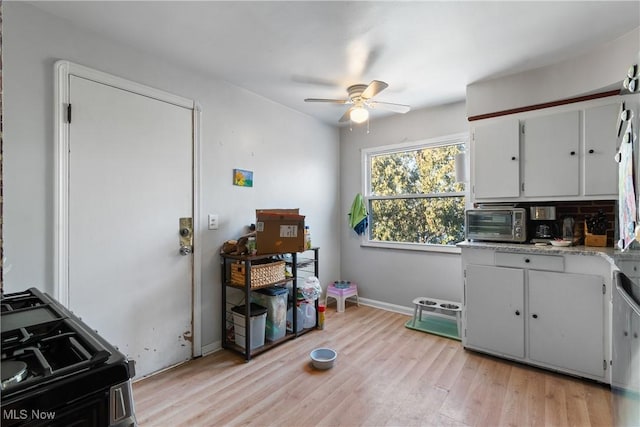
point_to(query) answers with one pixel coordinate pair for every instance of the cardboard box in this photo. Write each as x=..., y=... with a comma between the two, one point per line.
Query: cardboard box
x=279, y=231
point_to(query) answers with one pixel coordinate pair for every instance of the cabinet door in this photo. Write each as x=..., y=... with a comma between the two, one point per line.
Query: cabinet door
x=551, y=155
x=496, y=160
x=600, y=170
x=494, y=310
x=566, y=321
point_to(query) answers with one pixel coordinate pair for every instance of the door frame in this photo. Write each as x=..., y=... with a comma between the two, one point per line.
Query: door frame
x=62, y=70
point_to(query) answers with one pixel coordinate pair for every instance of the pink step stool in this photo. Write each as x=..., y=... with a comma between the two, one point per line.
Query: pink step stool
x=341, y=294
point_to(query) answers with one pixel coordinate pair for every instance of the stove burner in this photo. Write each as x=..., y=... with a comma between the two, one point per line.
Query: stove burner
x=12, y=372
x=52, y=361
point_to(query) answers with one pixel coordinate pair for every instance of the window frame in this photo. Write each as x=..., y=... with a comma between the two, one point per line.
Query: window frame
x=368, y=153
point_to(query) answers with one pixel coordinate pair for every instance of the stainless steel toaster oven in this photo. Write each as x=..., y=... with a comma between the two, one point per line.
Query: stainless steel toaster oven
x=498, y=224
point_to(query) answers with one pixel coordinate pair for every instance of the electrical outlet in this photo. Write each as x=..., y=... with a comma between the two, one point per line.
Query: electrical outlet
x=213, y=221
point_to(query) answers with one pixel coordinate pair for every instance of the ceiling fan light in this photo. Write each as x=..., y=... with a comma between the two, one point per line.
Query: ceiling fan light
x=359, y=115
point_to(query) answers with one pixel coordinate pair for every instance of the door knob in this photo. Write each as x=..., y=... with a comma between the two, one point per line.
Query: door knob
x=185, y=230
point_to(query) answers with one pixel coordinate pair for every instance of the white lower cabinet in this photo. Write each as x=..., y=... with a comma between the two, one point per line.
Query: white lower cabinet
x=495, y=309
x=566, y=321
x=550, y=319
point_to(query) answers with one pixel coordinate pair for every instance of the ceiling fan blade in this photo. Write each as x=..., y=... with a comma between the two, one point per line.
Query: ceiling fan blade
x=333, y=101
x=346, y=116
x=397, y=108
x=374, y=88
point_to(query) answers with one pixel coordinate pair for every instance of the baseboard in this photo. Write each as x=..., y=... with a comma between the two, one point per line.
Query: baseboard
x=386, y=306
x=211, y=348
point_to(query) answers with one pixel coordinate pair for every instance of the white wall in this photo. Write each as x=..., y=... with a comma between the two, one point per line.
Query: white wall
x=387, y=275
x=294, y=158
x=602, y=69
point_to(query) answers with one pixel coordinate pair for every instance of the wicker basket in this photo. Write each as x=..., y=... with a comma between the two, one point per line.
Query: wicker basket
x=261, y=274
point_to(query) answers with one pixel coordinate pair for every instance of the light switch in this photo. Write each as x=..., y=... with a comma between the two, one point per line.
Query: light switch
x=213, y=221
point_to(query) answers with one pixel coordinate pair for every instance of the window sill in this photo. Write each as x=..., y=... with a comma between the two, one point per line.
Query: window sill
x=412, y=247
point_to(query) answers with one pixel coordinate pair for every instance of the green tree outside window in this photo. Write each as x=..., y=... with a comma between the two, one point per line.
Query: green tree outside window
x=413, y=196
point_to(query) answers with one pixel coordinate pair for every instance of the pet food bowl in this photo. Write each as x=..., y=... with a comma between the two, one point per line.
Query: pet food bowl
x=323, y=358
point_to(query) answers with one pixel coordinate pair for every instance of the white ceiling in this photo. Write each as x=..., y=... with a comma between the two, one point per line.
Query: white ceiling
x=287, y=51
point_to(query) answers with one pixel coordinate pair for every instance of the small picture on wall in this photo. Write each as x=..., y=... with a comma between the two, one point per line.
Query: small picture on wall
x=242, y=178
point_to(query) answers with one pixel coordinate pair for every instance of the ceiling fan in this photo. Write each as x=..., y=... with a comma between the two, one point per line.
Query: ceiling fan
x=360, y=99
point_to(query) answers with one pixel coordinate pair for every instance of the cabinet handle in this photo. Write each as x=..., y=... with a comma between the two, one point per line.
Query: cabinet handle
x=527, y=260
x=591, y=151
x=517, y=312
x=535, y=316
x=513, y=157
x=573, y=153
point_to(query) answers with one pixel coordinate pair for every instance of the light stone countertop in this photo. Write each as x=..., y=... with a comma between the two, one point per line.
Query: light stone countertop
x=610, y=254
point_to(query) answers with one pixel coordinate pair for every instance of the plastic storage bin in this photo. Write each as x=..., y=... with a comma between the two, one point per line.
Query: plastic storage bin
x=275, y=300
x=258, y=318
x=299, y=319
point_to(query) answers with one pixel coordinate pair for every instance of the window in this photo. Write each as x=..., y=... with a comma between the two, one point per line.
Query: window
x=412, y=195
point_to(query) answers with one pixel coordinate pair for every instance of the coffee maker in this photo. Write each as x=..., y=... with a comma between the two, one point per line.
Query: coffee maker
x=543, y=223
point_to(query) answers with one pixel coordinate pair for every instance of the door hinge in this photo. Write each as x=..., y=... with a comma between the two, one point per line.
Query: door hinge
x=604, y=289
x=68, y=113
x=465, y=273
x=522, y=129
x=522, y=186
x=604, y=365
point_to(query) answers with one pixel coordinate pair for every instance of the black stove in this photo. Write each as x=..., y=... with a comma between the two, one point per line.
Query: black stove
x=57, y=371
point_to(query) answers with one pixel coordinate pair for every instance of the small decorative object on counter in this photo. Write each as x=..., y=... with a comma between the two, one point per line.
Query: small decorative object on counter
x=567, y=228
x=321, y=314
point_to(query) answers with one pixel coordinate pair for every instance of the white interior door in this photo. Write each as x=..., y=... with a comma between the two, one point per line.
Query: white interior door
x=130, y=181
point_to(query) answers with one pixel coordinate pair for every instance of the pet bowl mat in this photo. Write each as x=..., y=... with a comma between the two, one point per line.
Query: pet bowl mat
x=435, y=325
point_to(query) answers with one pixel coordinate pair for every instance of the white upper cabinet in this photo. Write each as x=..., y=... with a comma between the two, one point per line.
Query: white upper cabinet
x=600, y=170
x=496, y=148
x=560, y=153
x=551, y=155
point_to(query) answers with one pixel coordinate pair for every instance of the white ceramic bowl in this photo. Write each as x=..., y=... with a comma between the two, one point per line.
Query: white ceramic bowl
x=561, y=242
x=323, y=358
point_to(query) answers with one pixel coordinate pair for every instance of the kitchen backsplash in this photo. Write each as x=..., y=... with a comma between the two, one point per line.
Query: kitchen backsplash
x=579, y=210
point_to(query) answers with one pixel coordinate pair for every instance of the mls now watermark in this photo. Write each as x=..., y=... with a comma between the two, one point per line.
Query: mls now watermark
x=24, y=414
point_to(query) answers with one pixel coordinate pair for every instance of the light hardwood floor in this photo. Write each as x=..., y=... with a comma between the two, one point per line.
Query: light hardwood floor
x=385, y=375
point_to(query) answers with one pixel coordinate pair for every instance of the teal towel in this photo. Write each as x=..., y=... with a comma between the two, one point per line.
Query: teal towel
x=358, y=215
